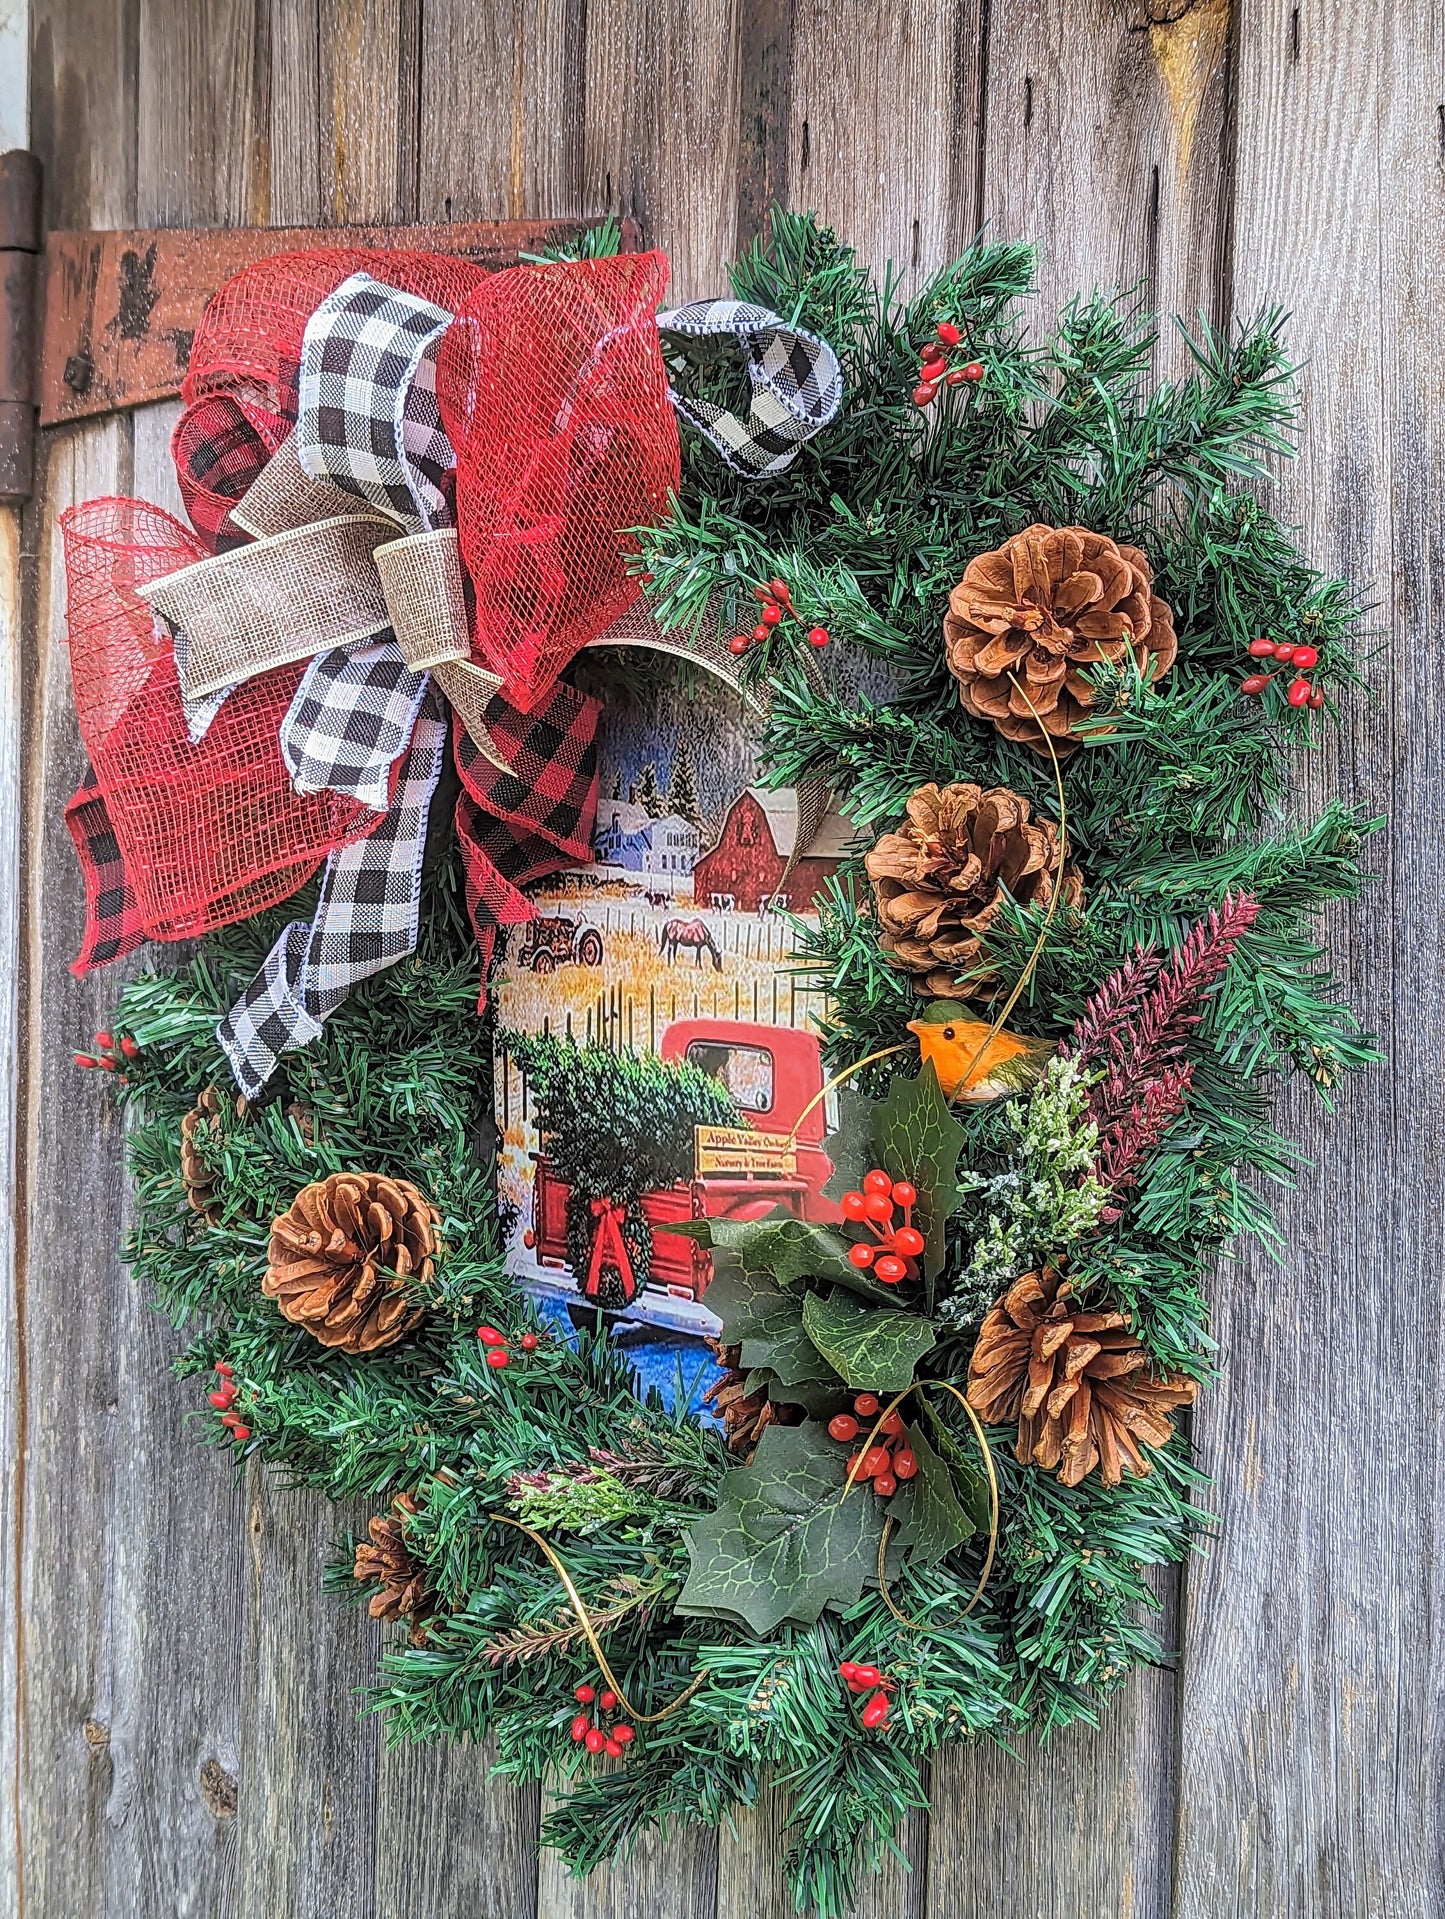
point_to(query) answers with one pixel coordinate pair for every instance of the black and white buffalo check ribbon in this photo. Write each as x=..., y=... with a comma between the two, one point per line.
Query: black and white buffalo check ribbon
x=369, y=419
x=366, y=919
x=796, y=380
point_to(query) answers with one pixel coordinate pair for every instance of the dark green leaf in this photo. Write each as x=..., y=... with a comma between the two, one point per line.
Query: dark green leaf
x=930, y=1519
x=969, y=1479
x=918, y=1139
x=873, y=1348
x=786, y=1248
x=851, y=1147
x=785, y=1540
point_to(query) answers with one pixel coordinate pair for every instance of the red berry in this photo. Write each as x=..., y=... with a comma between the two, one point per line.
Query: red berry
x=861, y=1255
x=891, y=1423
x=1256, y=683
x=1317, y=698
x=129, y=1047
x=230, y=1419
x=104, y=1041
x=933, y=369
x=499, y=1357
x=877, y=1182
x=760, y=633
x=974, y=370
x=878, y=1206
x=530, y=1342
x=612, y=1749
x=1299, y=692
x=855, y=1206
x=584, y=1695
x=905, y=1464
x=885, y=1485
x=848, y=1668
x=904, y=1194
x=84, y=1059
x=739, y=644
x=1306, y=656
x=106, y=1064
x=866, y=1404
x=855, y=1466
x=222, y=1397
x=866, y=1676
x=923, y=393
x=954, y=376
x=594, y=1739
x=240, y=1433
x=843, y=1426
x=772, y=615
x=579, y=1726
x=949, y=333
x=764, y=592
x=779, y=591
x=908, y=1241
x=224, y=1369
x=818, y=636
x=624, y=1735
x=875, y=1713
x=608, y=1700
x=875, y=1461
x=890, y=1270
x=1262, y=648
x=1284, y=652
x=490, y=1336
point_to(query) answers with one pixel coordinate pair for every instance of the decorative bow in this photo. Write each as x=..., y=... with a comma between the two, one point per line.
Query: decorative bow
x=434, y=531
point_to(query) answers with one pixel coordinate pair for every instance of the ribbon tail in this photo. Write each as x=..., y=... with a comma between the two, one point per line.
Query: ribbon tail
x=366, y=919
x=113, y=924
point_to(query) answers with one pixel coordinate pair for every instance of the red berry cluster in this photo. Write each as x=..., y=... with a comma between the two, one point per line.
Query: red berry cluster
x=777, y=605
x=106, y=1055
x=498, y=1353
x=868, y=1679
x=597, y=1738
x=884, y=1464
x=897, y=1246
x=936, y=369
x=222, y=1399
x=1301, y=691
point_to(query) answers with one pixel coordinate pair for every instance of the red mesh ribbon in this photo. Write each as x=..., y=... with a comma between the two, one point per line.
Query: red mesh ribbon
x=207, y=834
x=554, y=395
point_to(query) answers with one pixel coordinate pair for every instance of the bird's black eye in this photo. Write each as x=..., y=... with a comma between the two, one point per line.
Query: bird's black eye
x=948, y=1032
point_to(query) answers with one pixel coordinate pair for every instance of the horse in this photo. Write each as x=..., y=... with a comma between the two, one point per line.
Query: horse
x=692, y=934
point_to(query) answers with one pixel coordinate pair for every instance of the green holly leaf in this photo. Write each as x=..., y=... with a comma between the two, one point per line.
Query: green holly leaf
x=931, y=1519
x=969, y=1479
x=851, y=1147
x=767, y=1323
x=786, y=1248
x=785, y=1541
x=918, y=1139
x=819, y=1398
x=874, y=1349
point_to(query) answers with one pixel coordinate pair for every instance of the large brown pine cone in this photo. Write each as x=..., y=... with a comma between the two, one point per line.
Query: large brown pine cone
x=348, y=1258
x=941, y=881
x=1077, y=1382
x=745, y=1415
x=1045, y=604
x=385, y=1556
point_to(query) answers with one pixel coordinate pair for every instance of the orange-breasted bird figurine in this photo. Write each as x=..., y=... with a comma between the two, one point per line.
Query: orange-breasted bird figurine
x=967, y=1067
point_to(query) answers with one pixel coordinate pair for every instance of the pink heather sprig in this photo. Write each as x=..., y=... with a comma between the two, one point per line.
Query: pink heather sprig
x=1119, y=999
x=1134, y=1135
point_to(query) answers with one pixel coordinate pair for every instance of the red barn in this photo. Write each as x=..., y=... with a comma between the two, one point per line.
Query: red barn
x=745, y=868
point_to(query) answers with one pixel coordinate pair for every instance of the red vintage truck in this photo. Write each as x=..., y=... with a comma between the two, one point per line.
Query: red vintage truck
x=739, y=1172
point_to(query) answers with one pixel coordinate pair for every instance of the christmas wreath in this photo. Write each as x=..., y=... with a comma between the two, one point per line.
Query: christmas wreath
x=1024, y=607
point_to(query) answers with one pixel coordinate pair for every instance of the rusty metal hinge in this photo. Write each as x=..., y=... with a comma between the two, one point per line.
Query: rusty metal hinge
x=94, y=323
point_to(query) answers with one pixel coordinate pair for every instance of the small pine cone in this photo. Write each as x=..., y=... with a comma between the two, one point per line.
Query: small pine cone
x=1040, y=608
x=348, y=1257
x=200, y=1129
x=745, y=1415
x=942, y=879
x=385, y=1556
x=1076, y=1382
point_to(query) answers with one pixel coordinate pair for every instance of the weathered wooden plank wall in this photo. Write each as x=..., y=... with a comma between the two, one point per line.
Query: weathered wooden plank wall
x=184, y=1738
